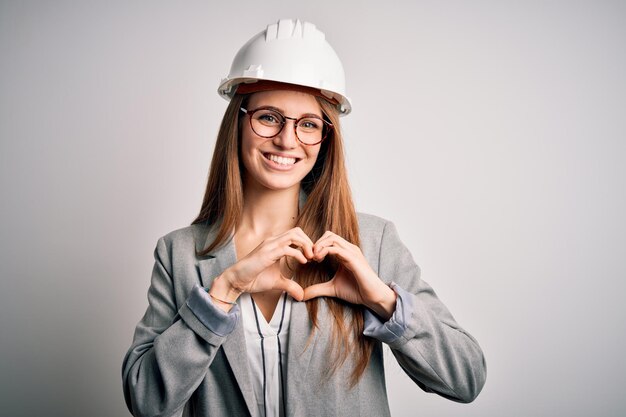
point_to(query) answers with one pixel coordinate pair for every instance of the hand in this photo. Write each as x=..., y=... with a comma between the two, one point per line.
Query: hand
x=260, y=270
x=355, y=281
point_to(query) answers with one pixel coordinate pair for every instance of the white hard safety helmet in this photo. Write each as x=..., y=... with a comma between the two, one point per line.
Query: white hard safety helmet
x=291, y=52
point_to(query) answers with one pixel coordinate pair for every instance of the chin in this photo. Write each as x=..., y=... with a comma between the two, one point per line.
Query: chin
x=276, y=184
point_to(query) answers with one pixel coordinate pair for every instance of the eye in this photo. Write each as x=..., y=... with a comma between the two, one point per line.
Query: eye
x=268, y=117
x=310, y=124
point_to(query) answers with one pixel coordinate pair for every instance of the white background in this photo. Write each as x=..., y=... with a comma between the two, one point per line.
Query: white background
x=491, y=132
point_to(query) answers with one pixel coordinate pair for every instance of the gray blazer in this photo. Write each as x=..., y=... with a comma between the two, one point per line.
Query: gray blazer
x=178, y=366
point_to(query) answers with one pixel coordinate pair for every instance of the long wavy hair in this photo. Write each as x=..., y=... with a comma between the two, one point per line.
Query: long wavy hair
x=328, y=206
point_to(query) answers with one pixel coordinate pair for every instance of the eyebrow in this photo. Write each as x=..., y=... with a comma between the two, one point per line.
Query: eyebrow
x=281, y=111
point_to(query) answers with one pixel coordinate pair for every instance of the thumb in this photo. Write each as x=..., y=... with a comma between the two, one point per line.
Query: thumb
x=290, y=287
x=325, y=289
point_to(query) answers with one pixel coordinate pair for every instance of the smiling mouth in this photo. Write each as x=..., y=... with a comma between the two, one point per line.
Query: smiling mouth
x=281, y=160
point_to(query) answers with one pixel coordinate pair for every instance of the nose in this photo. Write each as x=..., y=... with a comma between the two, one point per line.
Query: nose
x=287, y=138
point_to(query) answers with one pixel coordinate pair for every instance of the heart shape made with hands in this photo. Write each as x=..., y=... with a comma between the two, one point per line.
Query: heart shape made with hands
x=354, y=281
x=268, y=267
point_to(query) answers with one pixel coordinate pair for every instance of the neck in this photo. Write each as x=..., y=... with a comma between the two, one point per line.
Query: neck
x=269, y=212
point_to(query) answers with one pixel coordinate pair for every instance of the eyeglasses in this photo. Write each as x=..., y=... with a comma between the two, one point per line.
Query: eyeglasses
x=268, y=123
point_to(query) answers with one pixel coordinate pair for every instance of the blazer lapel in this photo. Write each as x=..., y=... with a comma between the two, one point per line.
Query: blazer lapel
x=235, y=344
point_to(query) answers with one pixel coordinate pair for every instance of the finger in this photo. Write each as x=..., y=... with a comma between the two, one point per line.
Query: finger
x=301, y=233
x=327, y=234
x=325, y=289
x=295, y=253
x=353, y=264
x=298, y=238
x=342, y=254
x=325, y=241
x=279, y=251
x=290, y=287
x=331, y=239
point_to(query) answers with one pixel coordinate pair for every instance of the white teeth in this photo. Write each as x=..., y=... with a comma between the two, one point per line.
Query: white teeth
x=281, y=159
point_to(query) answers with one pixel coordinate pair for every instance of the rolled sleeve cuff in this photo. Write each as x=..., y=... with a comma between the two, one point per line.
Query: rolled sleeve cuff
x=394, y=328
x=214, y=318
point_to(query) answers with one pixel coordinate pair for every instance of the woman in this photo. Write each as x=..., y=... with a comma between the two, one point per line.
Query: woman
x=278, y=298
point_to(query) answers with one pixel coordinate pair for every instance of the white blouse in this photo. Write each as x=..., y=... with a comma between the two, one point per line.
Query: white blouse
x=266, y=344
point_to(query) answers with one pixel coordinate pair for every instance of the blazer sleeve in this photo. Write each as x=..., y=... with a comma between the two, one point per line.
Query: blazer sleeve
x=172, y=347
x=427, y=342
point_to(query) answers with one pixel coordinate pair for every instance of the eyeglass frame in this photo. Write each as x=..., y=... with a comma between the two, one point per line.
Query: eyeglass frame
x=329, y=126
